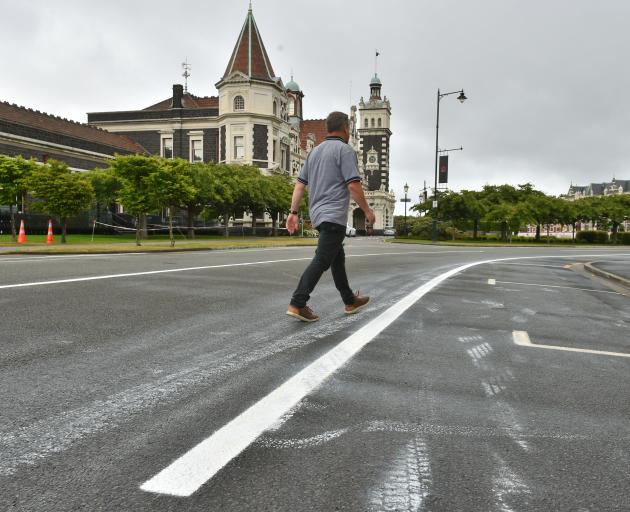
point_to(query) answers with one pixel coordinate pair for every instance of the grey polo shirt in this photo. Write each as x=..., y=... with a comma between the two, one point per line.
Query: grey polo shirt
x=327, y=171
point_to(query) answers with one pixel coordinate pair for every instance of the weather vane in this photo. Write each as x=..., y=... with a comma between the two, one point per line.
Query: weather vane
x=186, y=73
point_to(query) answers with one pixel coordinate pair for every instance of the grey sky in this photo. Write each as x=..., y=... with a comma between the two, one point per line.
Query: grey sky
x=547, y=80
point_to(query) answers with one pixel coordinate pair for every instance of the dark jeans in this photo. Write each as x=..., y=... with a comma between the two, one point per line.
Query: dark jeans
x=329, y=254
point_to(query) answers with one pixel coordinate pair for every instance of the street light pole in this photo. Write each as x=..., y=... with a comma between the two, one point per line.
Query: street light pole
x=406, y=188
x=461, y=98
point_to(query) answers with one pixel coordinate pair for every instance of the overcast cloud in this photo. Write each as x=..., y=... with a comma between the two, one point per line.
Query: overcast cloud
x=547, y=80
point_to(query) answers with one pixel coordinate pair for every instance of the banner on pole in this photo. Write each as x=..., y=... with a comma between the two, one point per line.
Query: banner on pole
x=443, y=169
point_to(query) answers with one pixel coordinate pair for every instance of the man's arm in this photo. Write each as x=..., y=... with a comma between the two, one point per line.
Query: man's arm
x=292, y=219
x=356, y=191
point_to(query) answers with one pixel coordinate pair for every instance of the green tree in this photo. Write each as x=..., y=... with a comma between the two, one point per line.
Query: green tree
x=170, y=185
x=615, y=209
x=278, y=191
x=106, y=186
x=60, y=192
x=135, y=192
x=13, y=175
x=202, y=181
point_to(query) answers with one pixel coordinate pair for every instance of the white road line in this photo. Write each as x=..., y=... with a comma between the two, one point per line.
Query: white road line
x=492, y=281
x=58, y=257
x=204, y=267
x=558, y=286
x=522, y=338
x=193, y=469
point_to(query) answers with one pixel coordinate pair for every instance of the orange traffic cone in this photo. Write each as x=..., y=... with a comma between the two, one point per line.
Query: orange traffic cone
x=22, y=235
x=49, y=238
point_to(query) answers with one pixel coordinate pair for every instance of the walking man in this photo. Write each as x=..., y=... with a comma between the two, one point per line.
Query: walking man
x=332, y=176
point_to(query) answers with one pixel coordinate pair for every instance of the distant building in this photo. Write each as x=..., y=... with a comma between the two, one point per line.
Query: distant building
x=42, y=136
x=598, y=189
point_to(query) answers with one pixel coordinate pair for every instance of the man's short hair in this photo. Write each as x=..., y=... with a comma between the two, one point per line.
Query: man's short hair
x=336, y=121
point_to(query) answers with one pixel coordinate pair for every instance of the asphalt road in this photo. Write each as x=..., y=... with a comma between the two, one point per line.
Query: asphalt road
x=117, y=369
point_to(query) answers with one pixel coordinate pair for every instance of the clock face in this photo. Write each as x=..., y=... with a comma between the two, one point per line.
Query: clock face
x=372, y=159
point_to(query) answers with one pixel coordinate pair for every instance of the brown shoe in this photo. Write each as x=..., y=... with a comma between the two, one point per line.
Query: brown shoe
x=305, y=314
x=359, y=304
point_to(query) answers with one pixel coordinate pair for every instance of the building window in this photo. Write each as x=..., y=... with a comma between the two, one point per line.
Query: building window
x=291, y=107
x=275, y=108
x=366, y=122
x=379, y=122
x=167, y=147
x=372, y=123
x=239, y=147
x=239, y=103
x=196, y=150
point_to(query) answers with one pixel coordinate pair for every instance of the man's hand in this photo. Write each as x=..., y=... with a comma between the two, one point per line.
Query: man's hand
x=292, y=223
x=370, y=217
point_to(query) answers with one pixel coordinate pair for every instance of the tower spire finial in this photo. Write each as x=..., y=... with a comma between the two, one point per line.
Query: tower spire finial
x=186, y=66
x=376, y=54
x=250, y=5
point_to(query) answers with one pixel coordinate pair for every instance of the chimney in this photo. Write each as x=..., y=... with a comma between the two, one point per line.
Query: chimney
x=178, y=93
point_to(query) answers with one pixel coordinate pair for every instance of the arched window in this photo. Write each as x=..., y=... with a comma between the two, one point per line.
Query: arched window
x=379, y=122
x=239, y=103
x=275, y=108
x=291, y=107
x=366, y=122
x=372, y=122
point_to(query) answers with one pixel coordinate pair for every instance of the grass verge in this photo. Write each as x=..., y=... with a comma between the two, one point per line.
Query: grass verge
x=82, y=244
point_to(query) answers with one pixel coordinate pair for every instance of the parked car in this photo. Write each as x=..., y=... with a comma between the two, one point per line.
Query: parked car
x=389, y=232
x=350, y=231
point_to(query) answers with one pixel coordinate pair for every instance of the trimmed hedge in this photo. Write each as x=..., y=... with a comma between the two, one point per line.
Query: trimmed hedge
x=623, y=238
x=592, y=237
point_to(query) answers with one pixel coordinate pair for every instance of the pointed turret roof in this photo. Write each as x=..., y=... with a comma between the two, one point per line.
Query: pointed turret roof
x=249, y=55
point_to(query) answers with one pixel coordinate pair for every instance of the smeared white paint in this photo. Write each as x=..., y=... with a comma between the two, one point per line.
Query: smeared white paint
x=508, y=488
x=522, y=338
x=550, y=287
x=478, y=352
x=470, y=339
x=492, y=282
x=407, y=481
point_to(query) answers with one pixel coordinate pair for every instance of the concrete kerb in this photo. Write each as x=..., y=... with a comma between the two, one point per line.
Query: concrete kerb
x=607, y=275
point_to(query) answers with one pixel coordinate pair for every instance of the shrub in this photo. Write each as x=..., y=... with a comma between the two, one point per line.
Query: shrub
x=623, y=238
x=592, y=237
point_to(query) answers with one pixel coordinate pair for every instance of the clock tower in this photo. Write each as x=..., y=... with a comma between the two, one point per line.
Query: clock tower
x=374, y=135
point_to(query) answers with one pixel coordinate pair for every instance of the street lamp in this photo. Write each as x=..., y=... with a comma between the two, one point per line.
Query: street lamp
x=461, y=98
x=406, y=189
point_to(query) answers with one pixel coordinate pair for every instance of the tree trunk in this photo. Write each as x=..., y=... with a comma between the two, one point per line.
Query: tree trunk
x=63, y=230
x=191, y=230
x=537, y=232
x=138, y=238
x=274, y=223
x=573, y=236
x=13, y=233
x=504, y=231
x=615, y=228
x=170, y=227
x=475, y=228
x=226, y=219
x=548, y=238
x=254, y=214
x=143, y=226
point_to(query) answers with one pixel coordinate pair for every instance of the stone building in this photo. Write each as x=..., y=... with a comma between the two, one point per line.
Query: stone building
x=34, y=134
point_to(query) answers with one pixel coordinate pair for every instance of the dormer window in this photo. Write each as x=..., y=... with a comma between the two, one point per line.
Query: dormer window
x=239, y=103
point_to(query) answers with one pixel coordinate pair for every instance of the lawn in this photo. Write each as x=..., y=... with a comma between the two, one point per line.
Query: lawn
x=127, y=243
